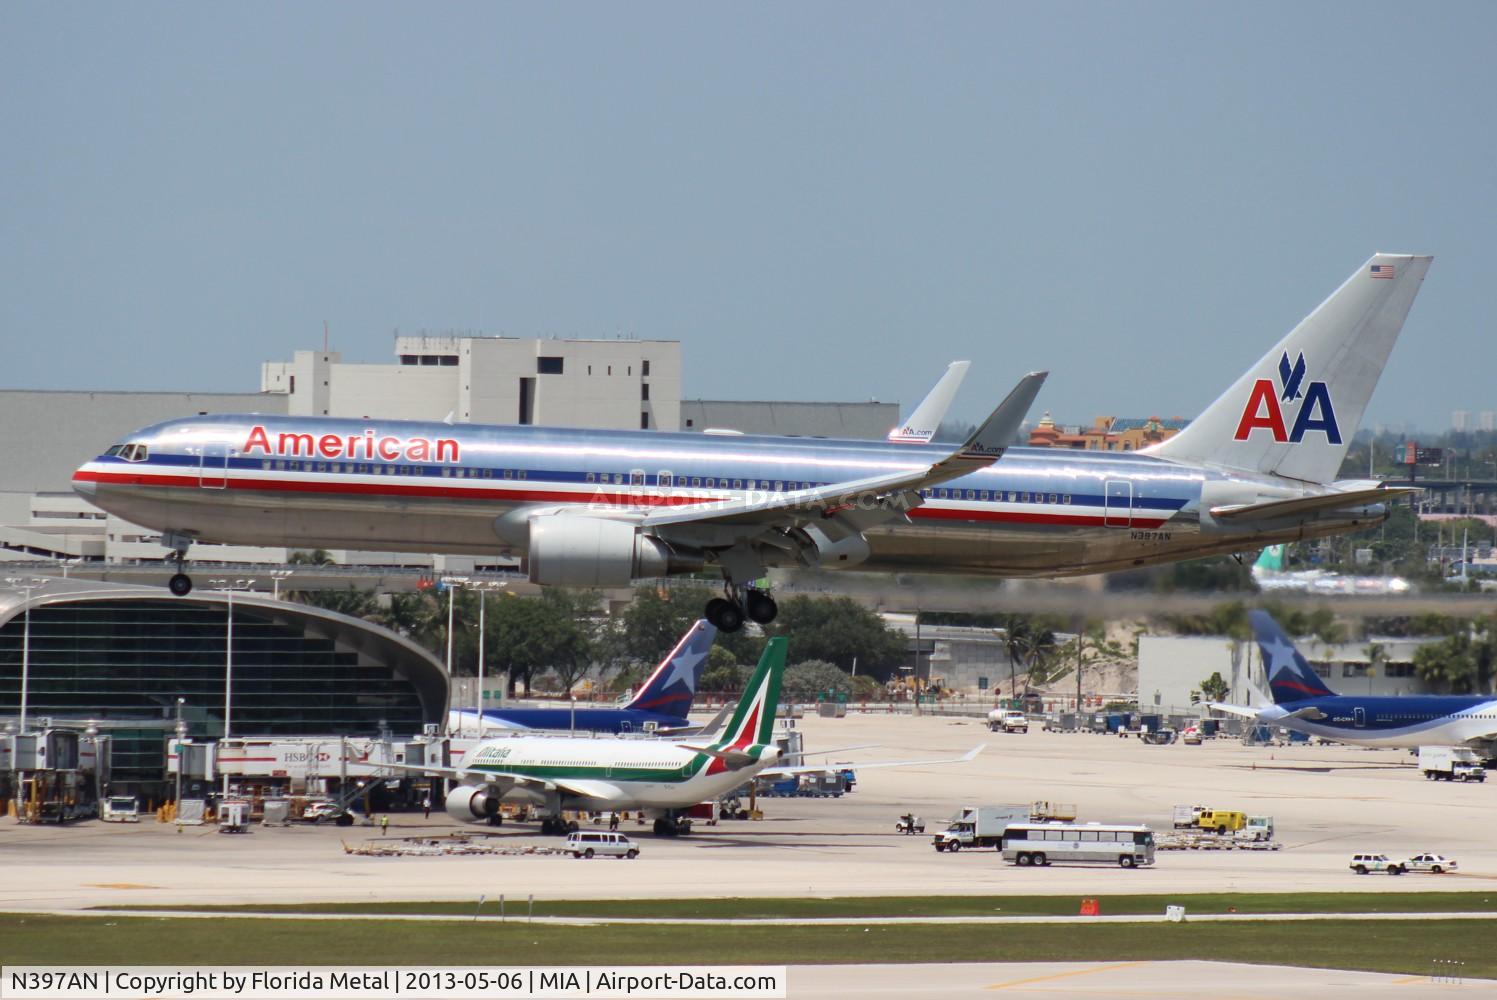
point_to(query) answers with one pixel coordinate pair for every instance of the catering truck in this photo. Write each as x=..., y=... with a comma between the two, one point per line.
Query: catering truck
x=1451, y=764
x=979, y=826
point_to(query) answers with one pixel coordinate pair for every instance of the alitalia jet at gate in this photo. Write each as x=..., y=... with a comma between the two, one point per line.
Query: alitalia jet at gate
x=596, y=508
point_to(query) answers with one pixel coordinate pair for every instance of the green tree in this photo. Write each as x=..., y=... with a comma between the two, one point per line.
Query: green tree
x=811, y=680
x=1089, y=647
x=838, y=630
x=358, y=603
x=1214, y=688
x=722, y=673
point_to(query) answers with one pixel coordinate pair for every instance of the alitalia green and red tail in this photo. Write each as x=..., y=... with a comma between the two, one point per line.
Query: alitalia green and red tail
x=749, y=734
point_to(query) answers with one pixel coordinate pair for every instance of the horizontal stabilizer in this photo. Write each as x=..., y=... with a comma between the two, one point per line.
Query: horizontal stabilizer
x=1300, y=506
x=733, y=758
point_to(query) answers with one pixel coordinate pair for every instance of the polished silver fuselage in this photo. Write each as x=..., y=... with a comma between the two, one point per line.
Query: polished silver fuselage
x=439, y=488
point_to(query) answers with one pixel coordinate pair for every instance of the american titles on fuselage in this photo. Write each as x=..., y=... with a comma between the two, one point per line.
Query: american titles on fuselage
x=370, y=445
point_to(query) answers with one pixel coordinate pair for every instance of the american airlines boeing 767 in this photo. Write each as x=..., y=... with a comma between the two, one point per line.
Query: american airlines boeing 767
x=596, y=508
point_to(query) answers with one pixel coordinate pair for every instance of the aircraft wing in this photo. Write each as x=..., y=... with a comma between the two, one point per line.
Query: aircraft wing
x=1246, y=711
x=786, y=771
x=602, y=790
x=922, y=424
x=986, y=445
x=1299, y=506
x=466, y=775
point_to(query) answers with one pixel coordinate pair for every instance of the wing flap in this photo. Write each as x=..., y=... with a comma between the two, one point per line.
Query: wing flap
x=985, y=446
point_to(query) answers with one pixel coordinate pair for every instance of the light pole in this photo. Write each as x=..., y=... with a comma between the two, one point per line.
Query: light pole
x=229, y=586
x=181, y=752
x=276, y=576
x=27, y=585
x=452, y=584
x=483, y=587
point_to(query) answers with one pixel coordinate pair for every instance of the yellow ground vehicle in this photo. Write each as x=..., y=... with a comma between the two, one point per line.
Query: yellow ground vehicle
x=1221, y=820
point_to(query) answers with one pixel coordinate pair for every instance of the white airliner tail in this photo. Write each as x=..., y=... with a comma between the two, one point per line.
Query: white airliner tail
x=1293, y=414
x=920, y=426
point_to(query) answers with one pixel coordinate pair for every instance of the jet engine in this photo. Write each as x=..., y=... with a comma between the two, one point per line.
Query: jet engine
x=472, y=804
x=572, y=551
x=832, y=546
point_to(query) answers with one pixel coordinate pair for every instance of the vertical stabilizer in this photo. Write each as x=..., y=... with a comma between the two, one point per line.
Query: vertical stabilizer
x=1293, y=414
x=672, y=686
x=1290, y=676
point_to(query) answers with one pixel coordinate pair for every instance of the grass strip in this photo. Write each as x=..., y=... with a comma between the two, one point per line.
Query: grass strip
x=1394, y=946
x=904, y=906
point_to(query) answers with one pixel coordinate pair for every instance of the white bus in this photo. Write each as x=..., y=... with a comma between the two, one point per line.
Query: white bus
x=1128, y=845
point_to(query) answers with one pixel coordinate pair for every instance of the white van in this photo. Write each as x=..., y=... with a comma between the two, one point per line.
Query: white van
x=586, y=844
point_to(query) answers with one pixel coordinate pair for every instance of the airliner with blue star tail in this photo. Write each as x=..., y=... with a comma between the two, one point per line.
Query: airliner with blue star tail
x=661, y=704
x=601, y=508
x=1303, y=702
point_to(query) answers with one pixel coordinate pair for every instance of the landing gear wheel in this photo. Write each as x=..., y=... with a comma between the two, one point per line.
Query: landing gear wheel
x=725, y=615
x=180, y=584
x=571, y=827
x=761, y=607
x=662, y=828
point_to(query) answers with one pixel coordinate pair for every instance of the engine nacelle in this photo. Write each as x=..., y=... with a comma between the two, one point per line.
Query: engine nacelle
x=571, y=551
x=472, y=804
x=832, y=549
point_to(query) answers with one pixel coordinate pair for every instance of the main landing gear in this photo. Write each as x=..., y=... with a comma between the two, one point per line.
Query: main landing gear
x=553, y=826
x=729, y=613
x=672, y=827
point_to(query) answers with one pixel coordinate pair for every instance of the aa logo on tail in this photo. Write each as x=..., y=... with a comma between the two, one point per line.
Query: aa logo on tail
x=1266, y=403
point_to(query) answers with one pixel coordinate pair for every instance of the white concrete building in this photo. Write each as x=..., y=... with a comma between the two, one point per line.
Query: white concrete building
x=1171, y=668
x=620, y=384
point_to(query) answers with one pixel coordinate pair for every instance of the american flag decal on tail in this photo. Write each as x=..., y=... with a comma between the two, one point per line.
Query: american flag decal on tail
x=1383, y=270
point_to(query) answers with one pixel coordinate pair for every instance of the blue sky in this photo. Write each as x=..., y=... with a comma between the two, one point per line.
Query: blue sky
x=820, y=201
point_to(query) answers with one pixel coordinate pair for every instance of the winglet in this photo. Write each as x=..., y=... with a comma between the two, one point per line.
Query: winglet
x=992, y=439
x=920, y=426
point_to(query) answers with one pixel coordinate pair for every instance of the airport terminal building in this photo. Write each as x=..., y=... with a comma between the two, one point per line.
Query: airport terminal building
x=118, y=658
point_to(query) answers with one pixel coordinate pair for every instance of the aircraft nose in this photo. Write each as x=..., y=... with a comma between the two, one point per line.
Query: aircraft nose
x=83, y=487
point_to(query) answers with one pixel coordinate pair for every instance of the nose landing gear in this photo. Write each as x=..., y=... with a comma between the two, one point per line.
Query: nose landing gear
x=180, y=584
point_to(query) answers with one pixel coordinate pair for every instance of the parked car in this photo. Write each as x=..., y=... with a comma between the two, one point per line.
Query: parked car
x=1191, y=737
x=1364, y=863
x=320, y=812
x=587, y=844
x=1436, y=864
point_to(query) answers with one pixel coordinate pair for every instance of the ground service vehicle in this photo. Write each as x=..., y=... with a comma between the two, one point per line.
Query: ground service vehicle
x=1185, y=816
x=979, y=826
x=1435, y=864
x=909, y=824
x=1125, y=845
x=1364, y=863
x=587, y=844
x=120, y=809
x=1221, y=820
x=1450, y=764
x=1008, y=722
x=1258, y=828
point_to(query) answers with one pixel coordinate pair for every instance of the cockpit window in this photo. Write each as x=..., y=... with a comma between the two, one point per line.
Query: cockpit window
x=115, y=450
x=132, y=452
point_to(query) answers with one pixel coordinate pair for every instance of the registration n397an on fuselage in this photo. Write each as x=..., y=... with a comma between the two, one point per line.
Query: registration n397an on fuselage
x=601, y=508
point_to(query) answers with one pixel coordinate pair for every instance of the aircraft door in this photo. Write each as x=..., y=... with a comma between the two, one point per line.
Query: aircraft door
x=1359, y=717
x=1118, y=512
x=213, y=467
